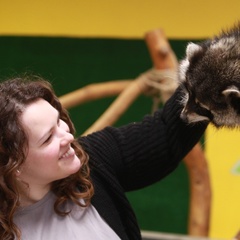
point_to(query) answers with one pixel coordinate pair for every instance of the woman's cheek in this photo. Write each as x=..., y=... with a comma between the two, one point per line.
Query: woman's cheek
x=51, y=152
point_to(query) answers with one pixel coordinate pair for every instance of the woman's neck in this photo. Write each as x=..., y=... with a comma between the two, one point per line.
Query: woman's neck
x=30, y=194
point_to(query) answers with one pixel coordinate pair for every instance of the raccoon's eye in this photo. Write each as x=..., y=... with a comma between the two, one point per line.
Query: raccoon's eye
x=197, y=102
x=201, y=104
x=203, y=110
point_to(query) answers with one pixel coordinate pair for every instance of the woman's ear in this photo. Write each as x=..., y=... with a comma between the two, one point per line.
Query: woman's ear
x=18, y=172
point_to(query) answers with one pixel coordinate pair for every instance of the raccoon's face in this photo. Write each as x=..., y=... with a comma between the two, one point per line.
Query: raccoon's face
x=194, y=110
x=210, y=79
x=219, y=113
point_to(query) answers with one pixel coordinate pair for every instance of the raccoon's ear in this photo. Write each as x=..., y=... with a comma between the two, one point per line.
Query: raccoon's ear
x=231, y=90
x=192, y=48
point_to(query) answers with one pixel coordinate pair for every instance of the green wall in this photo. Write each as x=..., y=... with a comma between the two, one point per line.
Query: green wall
x=71, y=63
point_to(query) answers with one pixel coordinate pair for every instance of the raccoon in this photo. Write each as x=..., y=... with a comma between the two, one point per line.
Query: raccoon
x=210, y=80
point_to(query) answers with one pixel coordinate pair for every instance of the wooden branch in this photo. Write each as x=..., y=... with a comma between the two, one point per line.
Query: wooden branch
x=119, y=106
x=200, y=190
x=200, y=204
x=160, y=50
x=172, y=236
x=165, y=60
x=93, y=92
x=237, y=236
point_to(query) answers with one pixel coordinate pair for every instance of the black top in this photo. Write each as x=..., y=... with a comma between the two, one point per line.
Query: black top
x=134, y=156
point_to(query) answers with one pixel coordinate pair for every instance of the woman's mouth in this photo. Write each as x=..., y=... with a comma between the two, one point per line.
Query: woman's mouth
x=69, y=153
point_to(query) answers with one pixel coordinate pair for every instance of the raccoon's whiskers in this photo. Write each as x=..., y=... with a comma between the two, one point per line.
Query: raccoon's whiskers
x=207, y=137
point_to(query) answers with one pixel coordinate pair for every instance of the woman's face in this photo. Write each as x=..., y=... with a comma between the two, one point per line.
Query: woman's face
x=50, y=156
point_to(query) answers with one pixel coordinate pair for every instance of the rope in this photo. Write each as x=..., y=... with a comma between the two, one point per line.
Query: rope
x=161, y=85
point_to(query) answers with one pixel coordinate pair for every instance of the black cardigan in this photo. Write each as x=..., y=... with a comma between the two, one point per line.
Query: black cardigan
x=134, y=156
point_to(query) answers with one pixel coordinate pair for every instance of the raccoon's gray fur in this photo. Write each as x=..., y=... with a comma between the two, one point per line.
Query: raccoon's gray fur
x=210, y=77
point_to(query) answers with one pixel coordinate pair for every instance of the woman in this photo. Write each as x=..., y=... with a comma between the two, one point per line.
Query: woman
x=55, y=187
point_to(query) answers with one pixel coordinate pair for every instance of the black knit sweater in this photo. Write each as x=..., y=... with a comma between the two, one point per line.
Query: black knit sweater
x=134, y=156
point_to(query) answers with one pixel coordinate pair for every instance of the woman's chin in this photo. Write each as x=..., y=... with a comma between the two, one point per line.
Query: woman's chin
x=71, y=165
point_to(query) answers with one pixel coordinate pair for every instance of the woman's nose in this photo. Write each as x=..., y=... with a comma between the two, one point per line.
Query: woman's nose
x=66, y=139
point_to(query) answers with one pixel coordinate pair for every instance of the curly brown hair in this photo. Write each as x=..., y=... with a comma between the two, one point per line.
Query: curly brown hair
x=15, y=95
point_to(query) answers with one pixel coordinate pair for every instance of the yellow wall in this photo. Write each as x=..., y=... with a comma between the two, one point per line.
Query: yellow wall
x=114, y=18
x=223, y=154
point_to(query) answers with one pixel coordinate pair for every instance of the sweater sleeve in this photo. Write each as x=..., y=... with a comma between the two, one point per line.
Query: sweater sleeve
x=142, y=153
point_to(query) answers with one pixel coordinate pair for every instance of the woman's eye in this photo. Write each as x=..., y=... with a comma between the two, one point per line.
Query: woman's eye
x=48, y=139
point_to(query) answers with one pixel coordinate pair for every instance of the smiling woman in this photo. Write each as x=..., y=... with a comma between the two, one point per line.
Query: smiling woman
x=30, y=166
x=50, y=154
x=77, y=187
